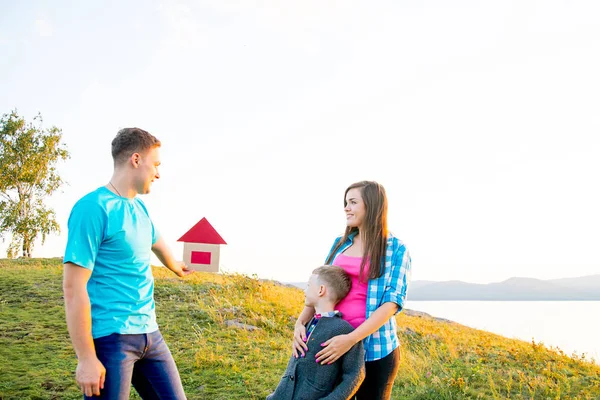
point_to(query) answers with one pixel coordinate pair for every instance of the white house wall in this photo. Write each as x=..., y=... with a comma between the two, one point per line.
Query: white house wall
x=214, y=249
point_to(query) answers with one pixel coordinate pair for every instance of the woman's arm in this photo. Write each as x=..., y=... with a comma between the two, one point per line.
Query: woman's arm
x=299, y=342
x=299, y=346
x=337, y=346
x=392, y=303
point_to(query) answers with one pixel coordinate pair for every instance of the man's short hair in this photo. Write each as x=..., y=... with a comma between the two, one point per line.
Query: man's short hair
x=132, y=140
x=336, y=279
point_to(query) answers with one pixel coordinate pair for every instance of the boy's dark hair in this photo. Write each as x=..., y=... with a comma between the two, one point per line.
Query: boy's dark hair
x=131, y=140
x=336, y=279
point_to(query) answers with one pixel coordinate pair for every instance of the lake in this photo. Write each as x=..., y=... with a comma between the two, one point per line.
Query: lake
x=571, y=326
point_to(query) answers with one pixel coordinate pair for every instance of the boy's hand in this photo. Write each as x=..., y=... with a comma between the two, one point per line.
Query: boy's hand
x=299, y=346
x=334, y=348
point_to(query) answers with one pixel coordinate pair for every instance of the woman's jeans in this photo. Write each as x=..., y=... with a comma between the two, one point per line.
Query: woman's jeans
x=143, y=360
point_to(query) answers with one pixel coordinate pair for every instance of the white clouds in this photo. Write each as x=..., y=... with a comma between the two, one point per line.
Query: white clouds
x=183, y=30
x=43, y=27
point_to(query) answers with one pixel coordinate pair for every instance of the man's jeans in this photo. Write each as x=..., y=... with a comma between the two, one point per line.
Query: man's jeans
x=143, y=360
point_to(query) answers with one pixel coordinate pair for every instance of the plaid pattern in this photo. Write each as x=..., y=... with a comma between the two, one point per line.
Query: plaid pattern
x=391, y=286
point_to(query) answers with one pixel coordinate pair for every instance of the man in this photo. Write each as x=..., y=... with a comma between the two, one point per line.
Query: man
x=108, y=283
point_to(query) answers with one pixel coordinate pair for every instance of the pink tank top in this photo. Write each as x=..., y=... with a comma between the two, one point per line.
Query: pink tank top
x=354, y=306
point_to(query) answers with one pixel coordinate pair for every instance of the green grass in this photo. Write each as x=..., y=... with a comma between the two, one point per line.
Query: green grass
x=438, y=360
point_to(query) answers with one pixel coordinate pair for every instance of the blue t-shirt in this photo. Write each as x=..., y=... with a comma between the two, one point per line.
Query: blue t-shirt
x=112, y=236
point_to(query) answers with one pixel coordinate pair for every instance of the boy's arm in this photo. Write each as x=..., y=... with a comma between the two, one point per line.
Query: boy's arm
x=353, y=374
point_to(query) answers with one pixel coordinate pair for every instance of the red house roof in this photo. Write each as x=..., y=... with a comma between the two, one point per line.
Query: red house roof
x=202, y=232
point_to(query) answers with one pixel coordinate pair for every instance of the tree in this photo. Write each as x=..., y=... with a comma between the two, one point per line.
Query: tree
x=28, y=158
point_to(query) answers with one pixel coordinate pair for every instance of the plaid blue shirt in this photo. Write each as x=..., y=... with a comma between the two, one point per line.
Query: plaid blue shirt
x=391, y=286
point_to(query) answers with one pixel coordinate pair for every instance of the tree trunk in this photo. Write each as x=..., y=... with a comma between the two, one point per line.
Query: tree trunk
x=26, y=248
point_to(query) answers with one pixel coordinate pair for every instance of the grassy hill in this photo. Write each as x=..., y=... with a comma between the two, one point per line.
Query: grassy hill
x=439, y=360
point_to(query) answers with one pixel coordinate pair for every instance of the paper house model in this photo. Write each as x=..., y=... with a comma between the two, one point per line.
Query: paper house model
x=201, y=246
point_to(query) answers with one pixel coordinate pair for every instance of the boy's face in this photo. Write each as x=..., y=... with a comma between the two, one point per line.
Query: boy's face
x=311, y=292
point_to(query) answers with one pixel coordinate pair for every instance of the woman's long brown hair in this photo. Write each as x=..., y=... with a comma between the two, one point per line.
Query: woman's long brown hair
x=375, y=230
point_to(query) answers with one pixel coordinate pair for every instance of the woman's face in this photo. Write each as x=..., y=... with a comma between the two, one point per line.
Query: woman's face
x=355, y=208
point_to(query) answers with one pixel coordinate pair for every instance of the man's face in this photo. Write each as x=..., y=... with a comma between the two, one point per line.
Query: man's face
x=311, y=293
x=147, y=170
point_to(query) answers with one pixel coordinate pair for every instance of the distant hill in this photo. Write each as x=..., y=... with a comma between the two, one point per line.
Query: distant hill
x=301, y=285
x=583, y=282
x=513, y=289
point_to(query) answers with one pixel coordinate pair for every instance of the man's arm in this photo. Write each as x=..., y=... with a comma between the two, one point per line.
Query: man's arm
x=90, y=373
x=164, y=254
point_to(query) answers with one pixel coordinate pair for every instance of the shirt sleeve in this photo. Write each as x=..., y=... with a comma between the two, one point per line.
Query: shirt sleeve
x=86, y=227
x=155, y=231
x=395, y=291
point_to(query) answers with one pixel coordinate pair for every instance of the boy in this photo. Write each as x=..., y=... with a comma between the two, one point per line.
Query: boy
x=304, y=378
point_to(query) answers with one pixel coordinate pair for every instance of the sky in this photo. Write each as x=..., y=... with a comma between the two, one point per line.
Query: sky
x=480, y=118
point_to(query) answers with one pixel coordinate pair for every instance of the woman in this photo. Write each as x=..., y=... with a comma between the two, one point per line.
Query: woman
x=379, y=266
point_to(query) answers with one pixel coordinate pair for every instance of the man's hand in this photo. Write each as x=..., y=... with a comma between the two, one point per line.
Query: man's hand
x=90, y=376
x=184, y=269
x=164, y=254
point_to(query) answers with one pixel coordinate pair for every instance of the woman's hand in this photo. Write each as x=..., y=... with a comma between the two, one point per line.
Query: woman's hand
x=299, y=346
x=334, y=348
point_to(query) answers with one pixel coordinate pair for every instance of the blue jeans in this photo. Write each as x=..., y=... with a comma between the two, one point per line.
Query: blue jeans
x=143, y=360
